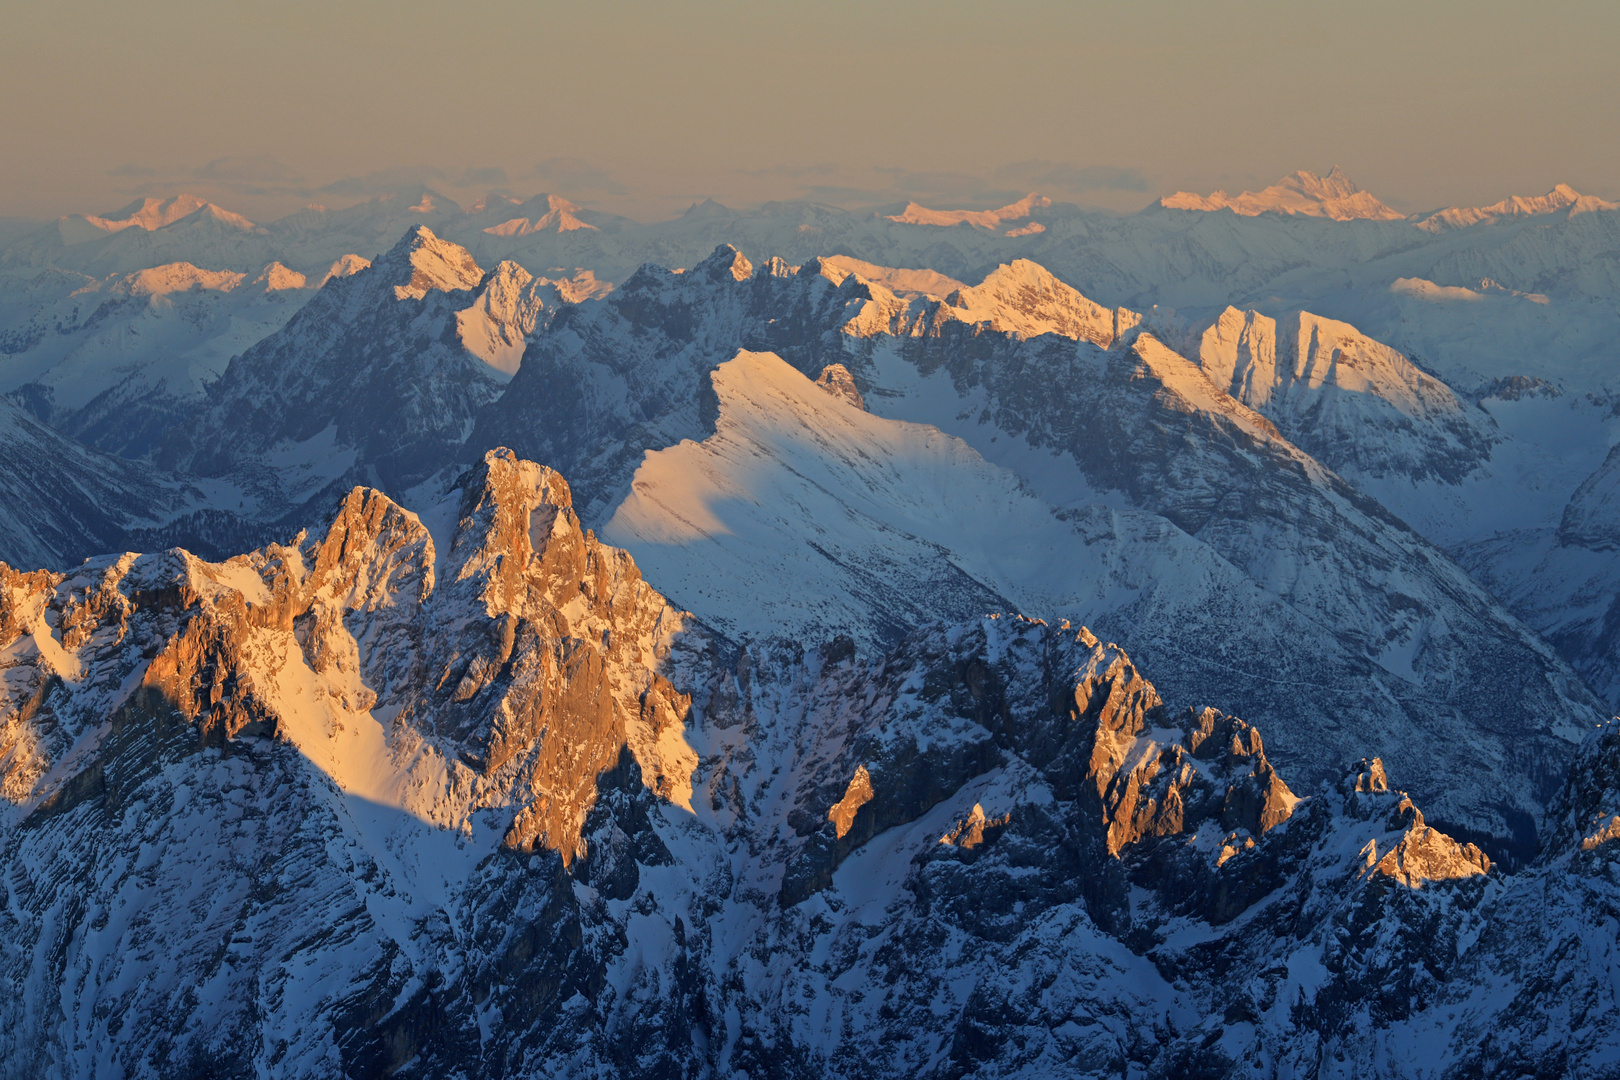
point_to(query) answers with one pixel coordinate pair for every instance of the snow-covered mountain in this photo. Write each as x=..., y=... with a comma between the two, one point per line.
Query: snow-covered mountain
x=1356, y=614
x=148, y=214
x=1025, y=299
x=993, y=220
x=379, y=376
x=1357, y=405
x=543, y=213
x=149, y=233
x=460, y=793
x=1332, y=196
x=116, y=361
x=630, y=372
x=1561, y=198
x=1195, y=262
x=401, y=369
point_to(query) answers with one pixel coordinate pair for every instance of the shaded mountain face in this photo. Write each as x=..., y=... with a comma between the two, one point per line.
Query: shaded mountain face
x=460, y=793
x=379, y=375
x=1565, y=580
x=65, y=502
x=116, y=362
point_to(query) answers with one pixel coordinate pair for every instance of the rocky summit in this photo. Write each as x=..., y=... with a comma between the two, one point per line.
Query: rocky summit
x=453, y=791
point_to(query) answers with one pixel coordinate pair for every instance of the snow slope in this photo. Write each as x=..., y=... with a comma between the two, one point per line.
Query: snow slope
x=876, y=523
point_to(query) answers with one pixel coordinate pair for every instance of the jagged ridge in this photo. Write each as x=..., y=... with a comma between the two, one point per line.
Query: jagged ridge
x=436, y=796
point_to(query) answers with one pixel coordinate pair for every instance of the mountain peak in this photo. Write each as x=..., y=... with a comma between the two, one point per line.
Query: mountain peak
x=1561, y=197
x=492, y=201
x=708, y=208
x=901, y=282
x=433, y=264
x=345, y=266
x=173, y=278
x=1025, y=298
x=276, y=277
x=558, y=216
x=725, y=260
x=917, y=214
x=508, y=303
x=418, y=199
x=1335, y=185
x=209, y=214
x=1300, y=193
x=148, y=215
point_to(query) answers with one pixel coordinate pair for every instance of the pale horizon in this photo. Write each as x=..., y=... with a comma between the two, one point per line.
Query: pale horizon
x=642, y=111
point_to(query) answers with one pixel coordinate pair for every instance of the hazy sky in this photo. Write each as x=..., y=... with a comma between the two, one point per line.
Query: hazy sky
x=643, y=108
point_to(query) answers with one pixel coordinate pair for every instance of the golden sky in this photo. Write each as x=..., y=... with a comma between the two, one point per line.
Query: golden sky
x=643, y=108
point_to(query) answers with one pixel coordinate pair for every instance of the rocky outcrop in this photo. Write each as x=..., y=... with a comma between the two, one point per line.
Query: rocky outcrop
x=523, y=675
x=837, y=381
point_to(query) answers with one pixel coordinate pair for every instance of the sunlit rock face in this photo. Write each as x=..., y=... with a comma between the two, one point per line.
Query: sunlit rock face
x=503, y=658
x=1357, y=405
x=458, y=793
